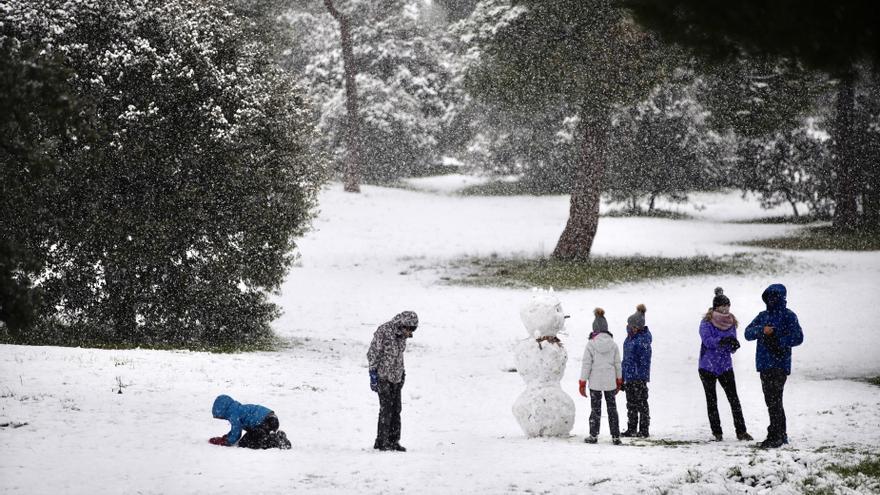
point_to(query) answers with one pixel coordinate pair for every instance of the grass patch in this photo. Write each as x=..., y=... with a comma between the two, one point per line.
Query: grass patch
x=257, y=344
x=504, y=188
x=801, y=220
x=596, y=272
x=869, y=467
x=655, y=213
x=873, y=380
x=662, y=442
x=823, y=238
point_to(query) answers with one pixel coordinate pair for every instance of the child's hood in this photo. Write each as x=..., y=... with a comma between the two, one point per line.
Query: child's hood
x=603, y=343
x=222, y=406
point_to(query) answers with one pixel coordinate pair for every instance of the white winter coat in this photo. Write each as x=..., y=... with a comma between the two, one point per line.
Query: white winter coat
x=601, y=365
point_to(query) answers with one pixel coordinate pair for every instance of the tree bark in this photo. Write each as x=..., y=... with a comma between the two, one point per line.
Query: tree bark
x=845, y=209
x=583, y=216
x=352, y=170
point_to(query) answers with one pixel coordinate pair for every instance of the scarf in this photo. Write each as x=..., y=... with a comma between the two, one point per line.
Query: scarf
x=722, y=321
x=595, y=334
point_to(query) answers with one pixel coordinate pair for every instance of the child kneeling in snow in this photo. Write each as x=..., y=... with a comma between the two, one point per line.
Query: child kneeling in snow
x=260, y=425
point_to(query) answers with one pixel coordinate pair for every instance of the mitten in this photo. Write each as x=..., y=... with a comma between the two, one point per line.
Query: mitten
x=219, y=441
x=619, y=385
x=374, y=380
x=582, y=387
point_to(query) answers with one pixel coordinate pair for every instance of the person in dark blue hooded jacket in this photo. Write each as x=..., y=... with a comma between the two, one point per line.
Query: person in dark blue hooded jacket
x=260, y=424
x=777, y=330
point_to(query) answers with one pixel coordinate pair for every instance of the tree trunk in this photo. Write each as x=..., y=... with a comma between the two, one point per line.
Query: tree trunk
x=845, y=209
x=583, y=216
x=651, y=204
x=352, y=171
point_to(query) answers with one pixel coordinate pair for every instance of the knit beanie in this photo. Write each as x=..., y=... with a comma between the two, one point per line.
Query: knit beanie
x=637, y=319
x=720, y=299
x=599, y=323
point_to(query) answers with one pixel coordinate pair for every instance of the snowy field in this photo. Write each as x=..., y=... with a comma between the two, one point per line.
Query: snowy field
x=372, y=255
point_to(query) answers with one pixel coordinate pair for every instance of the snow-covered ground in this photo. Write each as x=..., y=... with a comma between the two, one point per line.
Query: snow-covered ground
x=372, y=255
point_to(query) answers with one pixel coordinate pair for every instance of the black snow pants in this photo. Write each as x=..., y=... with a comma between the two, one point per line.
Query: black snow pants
x=388, y=431
x=261, y=436
x=773, y=384
x=728, y=383
x=596, y=412
x=637, y=413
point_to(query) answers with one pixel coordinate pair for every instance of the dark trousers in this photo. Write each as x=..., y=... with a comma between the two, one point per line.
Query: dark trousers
x=260, y=436
x=596, y=412
x=728, y=383
x=388, y=431
x=773, y=384
x=638, y=417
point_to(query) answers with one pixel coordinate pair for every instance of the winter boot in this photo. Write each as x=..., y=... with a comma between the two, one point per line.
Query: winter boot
x=397, y=447
x=590, y=440
x=717, y=437
x=629, y=433
x=281, y=440
x=642, y=434
x=744, y=436
x=616, y=441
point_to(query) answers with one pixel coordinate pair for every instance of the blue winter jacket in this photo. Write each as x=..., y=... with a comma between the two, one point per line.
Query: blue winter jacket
x=239, y=415
x=774, y=351
x=637, y=356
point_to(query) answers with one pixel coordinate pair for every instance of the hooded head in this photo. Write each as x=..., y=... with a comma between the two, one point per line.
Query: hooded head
x=221, y=406
x=775, y=297
x=600, y=324
x=406, y=321
x=720, y=299
x=636, y=321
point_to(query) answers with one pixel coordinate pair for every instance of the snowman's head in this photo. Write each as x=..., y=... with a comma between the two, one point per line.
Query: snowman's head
x=542, y=315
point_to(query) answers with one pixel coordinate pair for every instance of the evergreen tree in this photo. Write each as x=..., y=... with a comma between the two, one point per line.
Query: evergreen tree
x=835, y=37
x=179, y=217
x=403, y=83
x=38, y=116
x=587, y=53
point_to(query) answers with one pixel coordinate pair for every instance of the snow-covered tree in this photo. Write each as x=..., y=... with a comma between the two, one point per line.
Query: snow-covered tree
x=586, y=53
x=174, y=222
x=403, y=79
x=661, y=146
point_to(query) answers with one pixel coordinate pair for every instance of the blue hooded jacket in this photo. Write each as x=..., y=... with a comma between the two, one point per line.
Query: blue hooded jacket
x=239, y=415
x=636, y=364
x=774, y=351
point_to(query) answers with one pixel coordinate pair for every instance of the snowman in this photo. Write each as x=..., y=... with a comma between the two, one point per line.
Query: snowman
x=543, y=409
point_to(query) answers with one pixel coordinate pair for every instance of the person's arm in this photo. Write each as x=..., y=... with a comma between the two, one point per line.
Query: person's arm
x=587, y=365
x=793, y=336
x=755, y=328
x=375, y=352
x=709, y=337
x=647, y=352
x=234, y=432
x=618, y=369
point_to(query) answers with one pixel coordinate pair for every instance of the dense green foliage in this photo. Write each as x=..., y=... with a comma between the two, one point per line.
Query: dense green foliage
x=176, y=216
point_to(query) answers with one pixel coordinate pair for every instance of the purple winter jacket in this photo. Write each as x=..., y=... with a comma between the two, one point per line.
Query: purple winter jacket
x=714, y=358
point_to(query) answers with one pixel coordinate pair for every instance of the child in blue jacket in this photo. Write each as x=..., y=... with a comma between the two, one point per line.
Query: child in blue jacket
x=637, y=373
x=260, y=425
x=777, y=330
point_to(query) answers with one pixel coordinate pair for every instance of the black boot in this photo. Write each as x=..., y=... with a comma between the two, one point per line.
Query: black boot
x=629, y=433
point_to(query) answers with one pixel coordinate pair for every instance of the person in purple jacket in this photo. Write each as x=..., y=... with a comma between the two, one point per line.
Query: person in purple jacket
x=718, y=335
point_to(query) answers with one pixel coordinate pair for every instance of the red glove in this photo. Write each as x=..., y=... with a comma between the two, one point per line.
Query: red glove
x=619, y=384
x=219, y=441
x=582, y=387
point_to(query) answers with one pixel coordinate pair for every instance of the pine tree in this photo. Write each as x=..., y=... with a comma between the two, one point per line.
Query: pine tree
x=834, y=37
x=179, y=216
x=587, y=53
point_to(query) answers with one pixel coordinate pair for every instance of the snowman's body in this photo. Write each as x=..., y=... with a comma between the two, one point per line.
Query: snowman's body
x=543, y=409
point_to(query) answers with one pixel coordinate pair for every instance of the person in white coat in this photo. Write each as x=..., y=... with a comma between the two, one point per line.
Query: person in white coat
x=601, y=369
